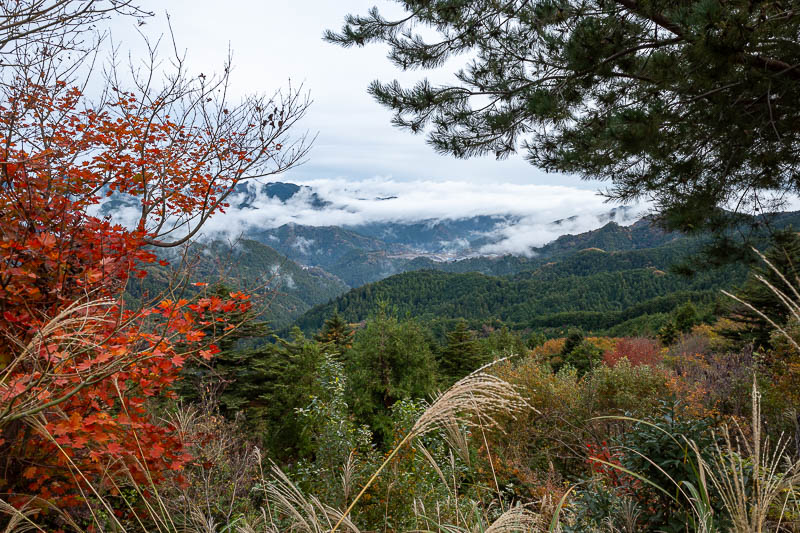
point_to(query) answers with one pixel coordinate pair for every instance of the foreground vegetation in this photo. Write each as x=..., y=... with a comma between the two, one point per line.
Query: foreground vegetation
x=571, y=434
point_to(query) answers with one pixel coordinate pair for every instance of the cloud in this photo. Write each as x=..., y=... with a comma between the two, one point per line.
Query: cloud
x=387, y=200
x=531, y=207
x=529, y=232
x=302, y=244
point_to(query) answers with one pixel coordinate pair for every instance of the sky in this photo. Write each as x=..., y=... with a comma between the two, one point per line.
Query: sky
x=277, y=41
x=357, y=152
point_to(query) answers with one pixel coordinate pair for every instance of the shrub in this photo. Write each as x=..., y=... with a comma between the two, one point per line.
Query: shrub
x=637, y=350
x=625, y=388
x=658, y=448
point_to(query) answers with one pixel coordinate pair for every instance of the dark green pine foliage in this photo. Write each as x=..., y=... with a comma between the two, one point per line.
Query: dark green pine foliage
x=692, y=104
x=686, y=317
x=267, y=384
x=263, y=385
x=336, y=333
x=390, y=360
x=577, y=353
x=502, y=342
x=668, y=333
x=592, y=290
x=461, y=354
x=784, y=255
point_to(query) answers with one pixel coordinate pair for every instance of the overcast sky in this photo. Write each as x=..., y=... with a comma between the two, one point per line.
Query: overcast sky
x=274, y=41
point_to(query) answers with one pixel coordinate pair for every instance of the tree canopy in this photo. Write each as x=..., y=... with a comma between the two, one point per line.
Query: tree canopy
x=690, y=104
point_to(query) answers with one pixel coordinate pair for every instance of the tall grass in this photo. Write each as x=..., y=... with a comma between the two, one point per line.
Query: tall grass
x=476, y=400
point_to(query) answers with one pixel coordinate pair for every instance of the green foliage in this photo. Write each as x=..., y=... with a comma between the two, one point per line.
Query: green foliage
x=264, y=385
x=584, y=357
x=598, y=507
x=329, y=430
x=577, y=353
x=595, y=294
x=336, y=333
x=686, y=317
x=500, y=343
x=390, y=360
x=461, y=354
x=668, y=333
x=626, y=388
x=658, y=450
x=784, y=255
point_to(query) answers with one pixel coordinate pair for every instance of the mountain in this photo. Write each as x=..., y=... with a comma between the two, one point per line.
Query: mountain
x=437, y=236
x=322, y=246
x=593, y=289
x=246, y=194
x=283, y=289
x=611, y=237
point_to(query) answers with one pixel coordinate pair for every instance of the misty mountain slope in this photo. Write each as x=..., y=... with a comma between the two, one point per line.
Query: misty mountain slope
x=283, y=289
x=359, y=259
x=322, y=246
x=247, y=193
x=612, y=237
x=436, y=236
x=289, y=288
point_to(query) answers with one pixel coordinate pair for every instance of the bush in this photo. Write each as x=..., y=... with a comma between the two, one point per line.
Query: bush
x=657, y=448
x=637, y=350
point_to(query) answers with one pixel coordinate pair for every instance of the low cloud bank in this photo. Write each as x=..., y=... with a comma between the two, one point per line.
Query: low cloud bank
x=349, y=203
x=530, y=209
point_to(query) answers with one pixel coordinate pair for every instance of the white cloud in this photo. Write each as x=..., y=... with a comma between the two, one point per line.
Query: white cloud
x=302, y=244
x=530, y=232
x=354, y=203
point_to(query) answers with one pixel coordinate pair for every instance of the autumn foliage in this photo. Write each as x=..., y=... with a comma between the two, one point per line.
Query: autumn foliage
x=78, y=366
x=637, y=350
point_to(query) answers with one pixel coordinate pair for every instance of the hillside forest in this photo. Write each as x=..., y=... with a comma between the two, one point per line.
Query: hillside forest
x=643, y=376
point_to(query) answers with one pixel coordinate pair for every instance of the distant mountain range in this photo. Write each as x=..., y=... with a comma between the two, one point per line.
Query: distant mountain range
x=306, y=271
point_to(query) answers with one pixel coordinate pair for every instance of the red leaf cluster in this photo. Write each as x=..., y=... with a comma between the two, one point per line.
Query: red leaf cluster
x=637, y=350
x=77, y=367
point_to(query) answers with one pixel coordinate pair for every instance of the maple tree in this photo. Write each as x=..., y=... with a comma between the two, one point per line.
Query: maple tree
x=77, y=363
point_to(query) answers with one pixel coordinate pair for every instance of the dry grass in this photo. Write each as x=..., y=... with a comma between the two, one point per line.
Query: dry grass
x=475, y=399
x=755, y=480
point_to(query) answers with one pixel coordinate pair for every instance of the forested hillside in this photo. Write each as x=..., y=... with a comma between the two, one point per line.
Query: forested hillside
x=591, y=289
x=284, y=289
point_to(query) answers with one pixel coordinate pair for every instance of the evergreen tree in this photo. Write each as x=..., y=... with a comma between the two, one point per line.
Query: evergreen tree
x=573, y=340
x=206, y=379
x=461, y=354
x=686, y=317
x=784, y=255
x=668, y=333
x=689, y=103
x=390, y=360
x=578, y=353
x=337, y=332
x=502, y=343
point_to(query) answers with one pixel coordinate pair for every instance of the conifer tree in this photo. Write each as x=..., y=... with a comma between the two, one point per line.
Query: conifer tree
x=390, y=360
x=691, y=104
x=686, y=317
x=461, y=355
x=337, y=332
x=784, y=255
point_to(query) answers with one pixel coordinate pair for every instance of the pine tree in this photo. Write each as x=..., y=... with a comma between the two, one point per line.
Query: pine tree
x=692, y=104
x=337, y=332
x=784, y=255
x=390, y=360
x=461, y=355
x=206, y=379
x=686, y=317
